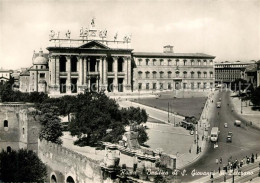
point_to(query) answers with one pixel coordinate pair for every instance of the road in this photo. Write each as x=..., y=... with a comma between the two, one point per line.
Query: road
x=245, y=141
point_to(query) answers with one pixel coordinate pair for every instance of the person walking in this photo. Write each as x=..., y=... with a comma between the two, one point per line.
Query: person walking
x=218, y=169
x=220, y=160
x=255, y=155
x=225, y=178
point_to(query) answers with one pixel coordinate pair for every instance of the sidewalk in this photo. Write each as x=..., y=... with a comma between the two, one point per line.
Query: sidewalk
x=247, y=113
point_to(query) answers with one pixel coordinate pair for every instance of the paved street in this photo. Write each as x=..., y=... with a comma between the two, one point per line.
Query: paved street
x=245, y=141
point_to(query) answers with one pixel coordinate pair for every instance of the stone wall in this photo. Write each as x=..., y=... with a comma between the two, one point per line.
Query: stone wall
x=68, y=163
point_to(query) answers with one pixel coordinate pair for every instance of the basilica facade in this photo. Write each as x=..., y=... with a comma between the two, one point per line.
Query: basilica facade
x=94, y=63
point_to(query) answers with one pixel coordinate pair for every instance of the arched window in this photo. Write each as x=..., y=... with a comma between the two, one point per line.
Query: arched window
x=154, y=74
x=120, y=64
x=211, y=74
x=62, y=61
x=185, y=74
x=140, y=73
x=161, y=74
x=169, y=62
x=147, y=61
x=140, y=61
x=161, y=62
x=147, y=86
x=205, y=74
x=192, y=74
x=184, y=62
x=169, y=74
x=70, y=180
x=73, y=64
x=154, y=61
x=177, y=74
x=192, y=62
x=199, y=74
x=177, y=62
x=199, y=63
x=147, y=74
x=8, y=149
x=5, y=123
x=211, y=62
x=204, y=62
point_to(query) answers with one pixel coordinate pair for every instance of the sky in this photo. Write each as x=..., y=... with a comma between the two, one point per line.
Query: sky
x=227, y=29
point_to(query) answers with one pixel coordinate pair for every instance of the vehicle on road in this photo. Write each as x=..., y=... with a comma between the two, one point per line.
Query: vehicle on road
x=229, y=137
x=214, y=134
x=219, y=99
x=225, y=125
x=191, y=132
x=218, y=104
x=237, y=123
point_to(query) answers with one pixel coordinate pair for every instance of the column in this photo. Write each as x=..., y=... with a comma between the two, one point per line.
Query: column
x=129, y=73
x=68, y=70
x=101, y=72
x=57, y=75
x=85, y=71
x=52, y=69
x=80, y=73
x=105, y=72
x=125, y=70
x=115, y=74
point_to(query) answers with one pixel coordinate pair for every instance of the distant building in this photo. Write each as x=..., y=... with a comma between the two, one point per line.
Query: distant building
x=172, y=71
x=4, y=75
x=19, y=127
x=226, y=72
x=94, y=63
x=36, y=78
x=251, y=74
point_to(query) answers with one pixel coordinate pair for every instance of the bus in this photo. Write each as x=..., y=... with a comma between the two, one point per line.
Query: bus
x=214, y=134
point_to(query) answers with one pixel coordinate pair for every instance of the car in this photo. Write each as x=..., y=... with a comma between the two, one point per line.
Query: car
x=237, y=123
x=191, y=132
x=229, y=137
x=219, y=99
x=225, y=125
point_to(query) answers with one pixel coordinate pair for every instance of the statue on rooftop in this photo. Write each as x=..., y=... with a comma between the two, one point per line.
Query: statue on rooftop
x=81, y=31
x=68, y=34
x=52, y=34
x=93, y=22
x=115, y=37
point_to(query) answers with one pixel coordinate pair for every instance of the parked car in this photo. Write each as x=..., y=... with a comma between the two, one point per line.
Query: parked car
x=191, y=132
x=225, y=125
x=237, y=123
x=229, y=137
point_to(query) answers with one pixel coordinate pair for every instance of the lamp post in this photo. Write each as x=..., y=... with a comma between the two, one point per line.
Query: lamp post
x=168, y=113
x=241, y=106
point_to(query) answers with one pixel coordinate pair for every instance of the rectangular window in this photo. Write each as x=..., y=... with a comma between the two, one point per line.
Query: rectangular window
x=198, y=85
x=147, y=75
x=147, y=86
x=205, y=75
x=205, y=85
x=161, y=74
x=139, y=86
x=140, y=75
x=42, y=75
x=192, y=86
x=154, y=75
x=211, y=85
x=161, y=62
x=184, y=85
x=169, y=74
x=169, y=86
x=161, y=86
x=154, y=86
x=185, y=74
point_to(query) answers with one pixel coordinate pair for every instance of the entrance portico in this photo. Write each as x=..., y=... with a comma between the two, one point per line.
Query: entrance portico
x=92, y=67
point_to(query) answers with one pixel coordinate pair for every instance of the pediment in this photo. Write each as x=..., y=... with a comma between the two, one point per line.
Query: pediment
x=94, y=45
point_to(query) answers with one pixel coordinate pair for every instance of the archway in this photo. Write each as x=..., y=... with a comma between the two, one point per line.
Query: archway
x=70, y=180
x=53, y=179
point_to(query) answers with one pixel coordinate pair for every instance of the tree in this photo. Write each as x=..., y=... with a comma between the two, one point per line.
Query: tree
x=142, y=135
x=98, y=118
x=21, y=166
x=51, y=129
x=255, y=97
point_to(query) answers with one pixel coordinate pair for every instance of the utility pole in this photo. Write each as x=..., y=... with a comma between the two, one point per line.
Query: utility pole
x=241, y=106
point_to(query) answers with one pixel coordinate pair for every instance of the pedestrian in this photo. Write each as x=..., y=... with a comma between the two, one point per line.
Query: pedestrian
x=241, y=163
x=216, y=160
x=218, y=169
x=252, y=158
x=255, y=155
x=220, y=160
x=211, y=176
x=225, y=178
